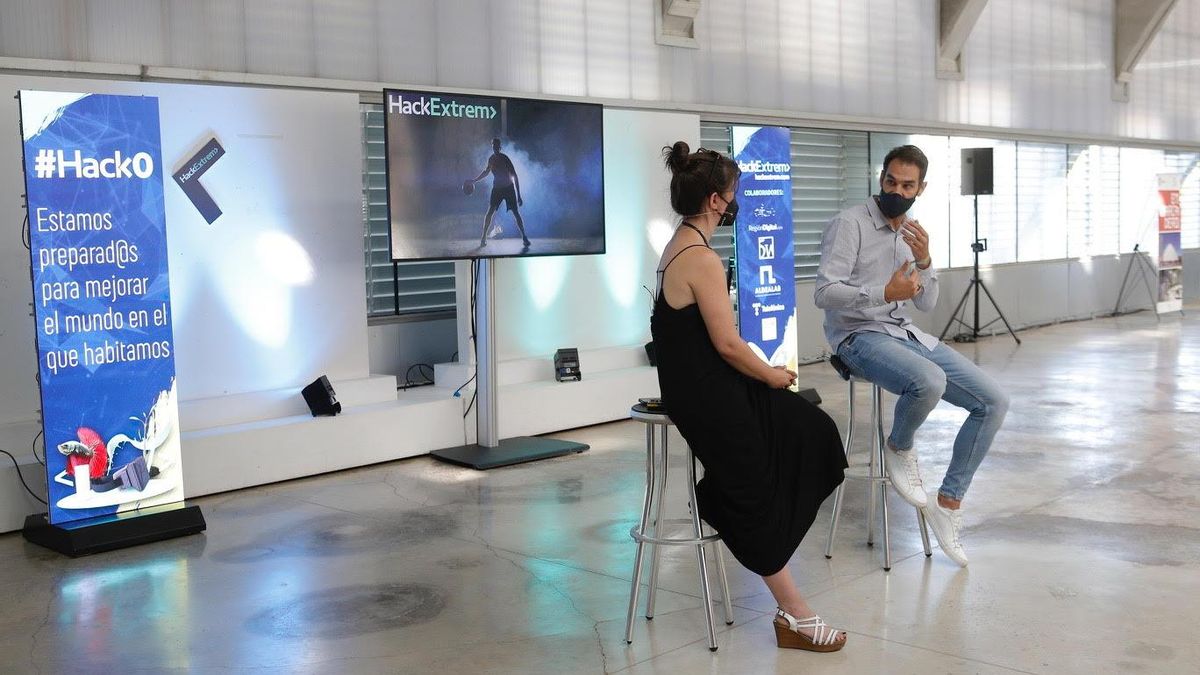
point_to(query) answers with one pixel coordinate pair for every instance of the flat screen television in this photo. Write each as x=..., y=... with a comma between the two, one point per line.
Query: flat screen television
x=488, y=177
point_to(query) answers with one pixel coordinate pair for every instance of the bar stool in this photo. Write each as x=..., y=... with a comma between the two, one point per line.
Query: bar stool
x=877, y=473
x=650, y=529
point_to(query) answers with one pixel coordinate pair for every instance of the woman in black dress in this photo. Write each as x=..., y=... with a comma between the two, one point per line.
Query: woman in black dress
x=770, y=457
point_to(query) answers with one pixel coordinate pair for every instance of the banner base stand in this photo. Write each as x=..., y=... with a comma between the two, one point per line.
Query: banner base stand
x=107, y=533
x=510, y=451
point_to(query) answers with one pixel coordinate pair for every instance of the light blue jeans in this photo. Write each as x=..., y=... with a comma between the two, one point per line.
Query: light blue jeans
x=920, y=377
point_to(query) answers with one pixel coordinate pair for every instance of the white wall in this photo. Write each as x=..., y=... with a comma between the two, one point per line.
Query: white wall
x=1036, y=64
x=271, y=294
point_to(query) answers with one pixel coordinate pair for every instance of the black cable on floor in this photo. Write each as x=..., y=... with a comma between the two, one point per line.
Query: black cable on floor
x=22, y=477
x=33, y=449
x=474, y=339
x=468, y=412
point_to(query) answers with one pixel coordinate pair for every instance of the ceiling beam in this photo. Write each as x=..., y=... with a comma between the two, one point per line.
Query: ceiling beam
x=1135, y=23
x=956, y=18
x=674, y=22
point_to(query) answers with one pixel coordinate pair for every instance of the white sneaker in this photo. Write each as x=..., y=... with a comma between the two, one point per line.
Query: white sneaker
x=905, y=476
x=496, y=231
x=946, y=524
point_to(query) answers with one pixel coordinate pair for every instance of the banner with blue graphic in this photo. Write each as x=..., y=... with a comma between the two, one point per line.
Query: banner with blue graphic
x=766, y=288
x=102, y=302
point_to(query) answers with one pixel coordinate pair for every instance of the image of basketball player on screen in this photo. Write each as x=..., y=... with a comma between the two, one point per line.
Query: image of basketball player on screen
x=506, y=188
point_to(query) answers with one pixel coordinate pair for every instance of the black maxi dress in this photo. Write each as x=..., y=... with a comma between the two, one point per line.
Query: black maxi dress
x=770, y=457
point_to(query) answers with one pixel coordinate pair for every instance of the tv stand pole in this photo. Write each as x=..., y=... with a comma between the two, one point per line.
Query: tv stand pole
x=490, y=452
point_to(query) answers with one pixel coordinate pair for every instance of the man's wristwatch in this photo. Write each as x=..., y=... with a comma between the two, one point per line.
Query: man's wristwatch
x=924, y=264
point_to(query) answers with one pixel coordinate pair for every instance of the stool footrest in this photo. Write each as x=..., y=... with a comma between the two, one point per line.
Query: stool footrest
x=672, y=541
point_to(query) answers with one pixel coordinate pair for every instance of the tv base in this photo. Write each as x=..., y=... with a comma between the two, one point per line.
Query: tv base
x=511, y=451
x=108, y=533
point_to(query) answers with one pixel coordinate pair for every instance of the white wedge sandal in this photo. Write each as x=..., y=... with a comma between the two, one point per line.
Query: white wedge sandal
x=788, y=635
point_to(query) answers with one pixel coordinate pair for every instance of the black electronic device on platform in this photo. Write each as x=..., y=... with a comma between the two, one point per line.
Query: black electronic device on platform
x=320, y=398
x=566, y=365
x=976, y=180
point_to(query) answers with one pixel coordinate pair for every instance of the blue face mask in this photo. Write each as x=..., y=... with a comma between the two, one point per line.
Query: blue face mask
x=894, y=204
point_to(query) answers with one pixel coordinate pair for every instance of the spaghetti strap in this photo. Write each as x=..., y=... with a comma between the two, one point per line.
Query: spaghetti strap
x=661, y=273
x=679, y=253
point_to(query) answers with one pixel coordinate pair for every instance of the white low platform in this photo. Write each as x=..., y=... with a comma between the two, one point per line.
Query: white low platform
x=532, y=402
x=221, y=411
x=244, y=440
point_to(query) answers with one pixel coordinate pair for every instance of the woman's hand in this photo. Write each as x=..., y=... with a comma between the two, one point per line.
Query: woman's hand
x=781, y=378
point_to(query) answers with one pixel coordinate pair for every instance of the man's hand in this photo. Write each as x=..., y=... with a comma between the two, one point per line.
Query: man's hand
x=917, y=239
x=781, y=378
x=520, y=202
x=905, y=283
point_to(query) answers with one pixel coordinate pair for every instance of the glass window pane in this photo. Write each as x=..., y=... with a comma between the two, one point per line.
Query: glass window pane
x=1041, y=201
x=1093, y=200
x=422, y=286
x=1139, y=198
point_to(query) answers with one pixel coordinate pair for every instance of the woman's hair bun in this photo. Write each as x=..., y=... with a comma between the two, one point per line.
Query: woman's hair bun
x=677, y=156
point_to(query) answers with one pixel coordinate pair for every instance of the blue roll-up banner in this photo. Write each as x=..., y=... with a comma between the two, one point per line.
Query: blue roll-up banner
x=763, y=244
x=102, y=302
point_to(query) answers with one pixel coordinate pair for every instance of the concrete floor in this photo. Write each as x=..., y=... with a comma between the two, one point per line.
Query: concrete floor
x=1083, y=528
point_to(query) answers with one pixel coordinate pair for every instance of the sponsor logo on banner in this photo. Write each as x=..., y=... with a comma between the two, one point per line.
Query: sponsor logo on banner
x=770, y=330
x=781, y=170
x=764, y=227
x=766, y=308
x=766, y=248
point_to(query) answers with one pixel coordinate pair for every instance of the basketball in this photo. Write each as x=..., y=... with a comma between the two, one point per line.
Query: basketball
x=468, y=187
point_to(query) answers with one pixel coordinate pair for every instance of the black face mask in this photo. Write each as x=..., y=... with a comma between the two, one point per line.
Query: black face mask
x=730, y=215
x=894, y=204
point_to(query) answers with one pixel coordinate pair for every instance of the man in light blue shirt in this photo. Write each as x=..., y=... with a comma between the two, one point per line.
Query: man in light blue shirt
x=875, y=266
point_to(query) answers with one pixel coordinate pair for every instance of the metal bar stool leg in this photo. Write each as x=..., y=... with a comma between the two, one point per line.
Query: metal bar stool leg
x=883, y=484
x=875, y=469
x=924, y=533
x=637, y=564
x=727, y=601
x=664, y=458
x=724, y=583
x=837, y=494
x=700, y=555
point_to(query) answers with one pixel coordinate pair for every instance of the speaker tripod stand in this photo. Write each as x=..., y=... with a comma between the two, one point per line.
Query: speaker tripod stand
x=979, y=246
x=1144, y=267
